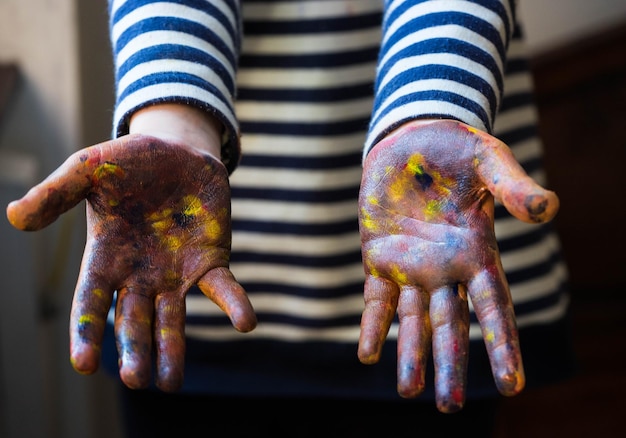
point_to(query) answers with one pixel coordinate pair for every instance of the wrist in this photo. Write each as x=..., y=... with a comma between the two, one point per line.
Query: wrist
x=179, y=123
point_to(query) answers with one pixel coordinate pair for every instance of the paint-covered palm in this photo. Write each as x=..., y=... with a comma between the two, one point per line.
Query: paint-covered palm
x=426, y=213
x=158, y=222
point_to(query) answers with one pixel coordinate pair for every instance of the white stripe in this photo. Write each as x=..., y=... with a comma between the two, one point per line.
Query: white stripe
x=526, y=150
x=540, y=286
x=296, y=306
x=151, y=39
x=433, y=85
x=142, y=70
x=547, y=315
x=431, y=7
x=166, y=90
x=517, y=83
x=173, y=10
x=328, y=42
x=116, y=5
x=309, y=146
x=447, y=31
x=530, y=255
x=295, y=212
x=516, y=118
x=351, y=333
x=306, y=78
x=296, y=276
x=289, y=10
x=446, y=59
x=296, y=245
x=290, y=112
x=274, y=331
x=297, y=179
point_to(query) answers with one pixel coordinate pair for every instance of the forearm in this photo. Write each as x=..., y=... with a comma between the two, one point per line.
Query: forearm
x=177, y=53
x=440, y=60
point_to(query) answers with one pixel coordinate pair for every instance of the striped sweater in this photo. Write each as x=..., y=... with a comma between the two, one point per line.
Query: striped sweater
x=305, y=88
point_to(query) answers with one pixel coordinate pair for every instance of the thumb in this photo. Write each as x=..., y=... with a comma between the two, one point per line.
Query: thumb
x=510, y=184
x=59, y=192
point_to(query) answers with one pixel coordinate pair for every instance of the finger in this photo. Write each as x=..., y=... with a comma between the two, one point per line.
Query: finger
x=414, y=338
x=510, y=184
x=449, y=315
x=381, y=301
x=90, y=306
x=59, y=192
x=494, y=309
x=169, y=335
x=220, y=286
x=133, y=333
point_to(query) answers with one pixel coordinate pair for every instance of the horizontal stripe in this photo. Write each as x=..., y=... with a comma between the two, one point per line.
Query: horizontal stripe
x=306, y=129
x=399, y=14
x=172, y=91
x=316, y=246
x=286, y=195
x=162, y=40
x=304, y=95
x=335, y=76
x=351, y=333
x=516, y=118
x=308, y=10
x=298, y=45
x=218, y=20
x=302, y=229
x=294, y=212
x=322, y=278
x=275, y=331
x=297, y=306
x=315, y=60
x=293, y=179
x=311, y=146
x=304, y=113
x=533, y=254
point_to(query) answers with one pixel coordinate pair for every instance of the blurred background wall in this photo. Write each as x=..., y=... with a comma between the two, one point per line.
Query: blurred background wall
x=56, y=96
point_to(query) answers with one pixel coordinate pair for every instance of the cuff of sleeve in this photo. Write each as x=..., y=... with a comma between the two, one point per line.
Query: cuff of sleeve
x=231, y=138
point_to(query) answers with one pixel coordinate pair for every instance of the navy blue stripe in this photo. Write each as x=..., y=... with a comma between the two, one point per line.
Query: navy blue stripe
x=442, y=96
x=517, y=100
x=303, y=95
x=172, y=51
x=312, y=26
x=321, y=60
x=537, y=270
x=317, y=196
x=345, y=290
x=517, y=65
x=517, y=135
x=493, y=5
x=265, y=318
x=446, y=18
x=445, y=45
x=180, y=25
x=172, y=78
x=327, y=128
x=300, y=229
x=200, y=5
x=538, y=234
x=266, y=258
x=303, y=163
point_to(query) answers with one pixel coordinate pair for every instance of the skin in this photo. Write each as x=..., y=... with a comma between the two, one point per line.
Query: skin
x=158, y=217
x=158, y=221
x=426, y=214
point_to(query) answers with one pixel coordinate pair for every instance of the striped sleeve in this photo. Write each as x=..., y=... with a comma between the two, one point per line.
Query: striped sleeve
x=177, y=51
x=440, y=59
